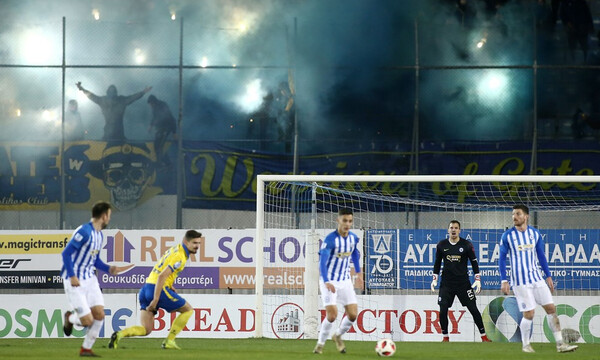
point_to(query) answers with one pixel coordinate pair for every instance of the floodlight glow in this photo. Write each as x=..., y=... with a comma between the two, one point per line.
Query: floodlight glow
x=204, y=62
x=481, y=43
x=496, y=82
x=36, y=47
x=49, y=115
x=96, y=14
x=242, y=20
x=253, y=96
x=18, y=112
x=173, y=17
x=140, y=57
x=493, y=87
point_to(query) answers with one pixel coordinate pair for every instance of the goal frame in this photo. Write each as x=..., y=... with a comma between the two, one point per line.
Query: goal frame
x=260, y=191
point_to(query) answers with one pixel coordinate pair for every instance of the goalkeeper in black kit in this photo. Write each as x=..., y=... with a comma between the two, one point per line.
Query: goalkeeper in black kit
x=455, y=251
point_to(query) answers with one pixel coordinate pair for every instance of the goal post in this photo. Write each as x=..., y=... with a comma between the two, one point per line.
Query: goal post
x=400, y=219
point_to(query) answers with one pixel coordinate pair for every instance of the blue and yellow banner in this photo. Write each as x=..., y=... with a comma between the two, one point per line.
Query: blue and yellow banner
x=216, y=176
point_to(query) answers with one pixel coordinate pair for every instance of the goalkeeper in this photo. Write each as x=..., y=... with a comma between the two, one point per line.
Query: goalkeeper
x=455, y=251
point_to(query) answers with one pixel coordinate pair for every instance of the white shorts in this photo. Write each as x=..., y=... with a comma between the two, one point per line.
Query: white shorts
x=344, y=293
x=85, y=296
x=530, y=295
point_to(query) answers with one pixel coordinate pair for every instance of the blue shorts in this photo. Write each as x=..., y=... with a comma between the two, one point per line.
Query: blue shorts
x=169, y=299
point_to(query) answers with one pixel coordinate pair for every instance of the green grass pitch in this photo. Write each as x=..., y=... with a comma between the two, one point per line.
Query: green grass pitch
x=269, y=349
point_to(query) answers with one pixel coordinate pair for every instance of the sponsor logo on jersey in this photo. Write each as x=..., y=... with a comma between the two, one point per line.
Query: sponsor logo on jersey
x=453, y=257
x=525, y=247
x=343, y=254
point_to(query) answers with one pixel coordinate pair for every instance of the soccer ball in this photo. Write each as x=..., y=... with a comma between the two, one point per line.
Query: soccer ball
x=385, y=347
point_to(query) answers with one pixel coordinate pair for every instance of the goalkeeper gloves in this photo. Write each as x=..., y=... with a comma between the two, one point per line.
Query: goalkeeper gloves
x=477, y=284
x=434, y=282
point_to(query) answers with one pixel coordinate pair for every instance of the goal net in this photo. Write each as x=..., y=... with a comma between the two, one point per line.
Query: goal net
x=400, y=220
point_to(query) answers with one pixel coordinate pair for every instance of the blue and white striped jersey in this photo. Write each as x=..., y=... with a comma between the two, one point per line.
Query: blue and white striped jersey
x=87, y=243
x=525, y=249
x=336, y=252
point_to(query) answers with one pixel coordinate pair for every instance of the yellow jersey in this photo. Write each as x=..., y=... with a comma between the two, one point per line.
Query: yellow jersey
x=174, y=258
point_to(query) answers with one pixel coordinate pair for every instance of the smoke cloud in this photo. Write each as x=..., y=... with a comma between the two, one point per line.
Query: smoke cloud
x=352, y=63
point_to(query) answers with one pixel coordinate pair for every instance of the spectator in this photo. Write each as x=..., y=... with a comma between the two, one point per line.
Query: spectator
x=74, y=130
x=113, y=108
x=577, y=20
x=286, y=114
x=164, y=123
x=465, y=14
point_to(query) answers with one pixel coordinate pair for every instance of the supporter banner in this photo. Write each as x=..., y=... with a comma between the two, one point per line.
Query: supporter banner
x=218, y=177
x=221, y=177
x=400, y=317
x=573, y=256
x=30, y=174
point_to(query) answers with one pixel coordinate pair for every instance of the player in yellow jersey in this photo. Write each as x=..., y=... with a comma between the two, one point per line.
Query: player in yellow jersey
x=158, y=293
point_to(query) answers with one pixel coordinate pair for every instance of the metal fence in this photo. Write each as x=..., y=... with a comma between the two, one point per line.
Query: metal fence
x=282, y=91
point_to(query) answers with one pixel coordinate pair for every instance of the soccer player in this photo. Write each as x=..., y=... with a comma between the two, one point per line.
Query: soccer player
x=524, y=245
x=158, y=293
x=335, y=282
x=80, y=260
x=455, y=251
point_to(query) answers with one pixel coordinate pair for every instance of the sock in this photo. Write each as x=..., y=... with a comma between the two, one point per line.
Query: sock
x=476, y=317
x=444, y=319
x=92, y=334
x=74, y=319
x=555, y=326
x=525, y=326
x=325, y=330
x=344, y=326
x=136, y=330
x=178, y=324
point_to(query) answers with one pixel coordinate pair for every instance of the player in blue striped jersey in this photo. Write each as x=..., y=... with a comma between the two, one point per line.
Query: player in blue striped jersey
x=80, y=261
x=335, y=282
x=525, y=247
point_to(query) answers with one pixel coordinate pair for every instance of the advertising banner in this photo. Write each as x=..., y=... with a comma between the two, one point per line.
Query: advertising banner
x=382, y=259
x=31, y=259
x=402, y=318
x=225, y=259
x=394, y=258
x=573, y=256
